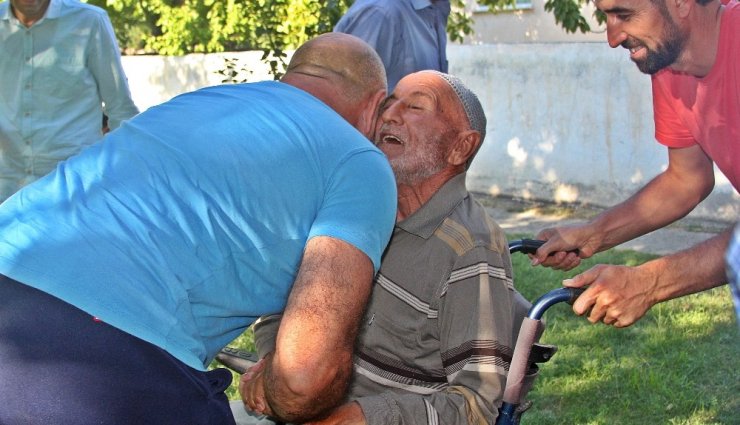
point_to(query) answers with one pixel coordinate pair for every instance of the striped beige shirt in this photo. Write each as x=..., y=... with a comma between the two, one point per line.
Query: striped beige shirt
x=441, y=317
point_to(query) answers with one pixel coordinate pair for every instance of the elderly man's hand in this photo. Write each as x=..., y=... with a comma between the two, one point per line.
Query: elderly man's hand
x=252, y=389
x=616, y=295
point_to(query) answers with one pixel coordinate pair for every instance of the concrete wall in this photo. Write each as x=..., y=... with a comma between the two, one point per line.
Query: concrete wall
x=567, y=122
x=155, y=79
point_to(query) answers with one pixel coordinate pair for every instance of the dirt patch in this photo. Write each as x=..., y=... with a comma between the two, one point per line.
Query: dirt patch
x=550, y=211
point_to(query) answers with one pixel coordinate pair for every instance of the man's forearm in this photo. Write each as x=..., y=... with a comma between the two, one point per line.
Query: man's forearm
x=692, y=270
x=671, y=195
x=309, y=370
x=653, y=207
x=294, y=398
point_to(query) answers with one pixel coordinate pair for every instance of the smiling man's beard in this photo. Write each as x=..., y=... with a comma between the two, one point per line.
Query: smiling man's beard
x=425, y=161
x=664, y=56
x=667, y=52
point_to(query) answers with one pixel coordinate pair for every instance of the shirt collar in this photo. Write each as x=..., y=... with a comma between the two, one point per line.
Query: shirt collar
x=54, y=10
x=442, y=5
x=430, y=216
x=421, y=4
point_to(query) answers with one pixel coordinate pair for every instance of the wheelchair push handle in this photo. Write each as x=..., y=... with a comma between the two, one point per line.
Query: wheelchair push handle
x=560, y=295
x=529, y=246
x=569, y=295
x=525, y=246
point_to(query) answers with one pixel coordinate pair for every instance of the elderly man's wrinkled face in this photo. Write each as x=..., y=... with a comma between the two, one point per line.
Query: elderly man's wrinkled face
x=416, y=126
x=646, y=29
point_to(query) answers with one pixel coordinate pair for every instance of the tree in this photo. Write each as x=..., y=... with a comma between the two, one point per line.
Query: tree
x=567, y=13
x=177, y=27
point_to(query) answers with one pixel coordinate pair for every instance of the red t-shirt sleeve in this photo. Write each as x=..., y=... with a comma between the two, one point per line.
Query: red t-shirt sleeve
x=670, y=130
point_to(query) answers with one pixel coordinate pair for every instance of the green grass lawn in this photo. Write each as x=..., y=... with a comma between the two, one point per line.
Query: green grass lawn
x=680, y=364
x=677, y=365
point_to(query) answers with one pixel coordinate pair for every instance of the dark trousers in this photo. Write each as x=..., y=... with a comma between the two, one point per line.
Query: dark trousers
x=59, y=365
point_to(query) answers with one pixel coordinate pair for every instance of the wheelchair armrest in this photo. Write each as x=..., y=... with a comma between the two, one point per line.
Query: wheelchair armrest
x=541, y=353
x=237, y=360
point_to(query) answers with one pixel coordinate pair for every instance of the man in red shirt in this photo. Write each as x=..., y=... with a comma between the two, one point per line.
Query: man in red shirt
x=692, y=50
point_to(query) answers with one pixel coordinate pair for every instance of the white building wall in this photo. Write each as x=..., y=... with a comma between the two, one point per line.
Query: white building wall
x=567, y=122
x=528, y=23
x=155, y=79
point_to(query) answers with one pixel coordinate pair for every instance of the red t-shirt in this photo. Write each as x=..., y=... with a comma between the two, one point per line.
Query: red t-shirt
x=690, y=110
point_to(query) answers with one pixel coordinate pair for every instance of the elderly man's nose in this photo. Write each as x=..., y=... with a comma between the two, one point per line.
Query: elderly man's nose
x=391, y=113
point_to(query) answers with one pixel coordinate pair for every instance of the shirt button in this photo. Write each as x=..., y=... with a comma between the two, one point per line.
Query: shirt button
x=28, y=86
x=28, y=142
x=26, y=114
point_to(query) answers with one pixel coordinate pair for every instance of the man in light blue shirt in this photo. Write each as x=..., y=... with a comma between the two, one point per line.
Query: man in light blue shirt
x=137, y=260
x=409, y=35
x=61, y=70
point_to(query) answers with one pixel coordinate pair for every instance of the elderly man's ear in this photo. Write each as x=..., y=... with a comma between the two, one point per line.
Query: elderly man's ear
x=369, y=116
x=464, y=148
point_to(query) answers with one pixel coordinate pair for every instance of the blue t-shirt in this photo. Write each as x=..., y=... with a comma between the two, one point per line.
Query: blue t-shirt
x=189, y=221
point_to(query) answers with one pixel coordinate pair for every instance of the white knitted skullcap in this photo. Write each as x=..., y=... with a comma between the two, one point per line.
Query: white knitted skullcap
x=470, y=103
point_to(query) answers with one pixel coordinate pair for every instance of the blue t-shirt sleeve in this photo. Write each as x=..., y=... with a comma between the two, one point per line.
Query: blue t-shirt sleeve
x=360, y=204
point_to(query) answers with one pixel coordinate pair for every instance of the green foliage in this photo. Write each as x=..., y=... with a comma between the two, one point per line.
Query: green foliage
x=567, y=12
x=233, y=72
x=459, y=24
x=178, y=27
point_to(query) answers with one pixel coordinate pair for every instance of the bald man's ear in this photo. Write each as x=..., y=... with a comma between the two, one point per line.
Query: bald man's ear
x=369, y=115
x=464, y=147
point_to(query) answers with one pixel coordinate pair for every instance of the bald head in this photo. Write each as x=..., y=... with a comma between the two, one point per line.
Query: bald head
x=343, y=71
x=466, y=99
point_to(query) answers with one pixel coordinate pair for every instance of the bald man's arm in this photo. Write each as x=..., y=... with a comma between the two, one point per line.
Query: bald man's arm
x=309, y=371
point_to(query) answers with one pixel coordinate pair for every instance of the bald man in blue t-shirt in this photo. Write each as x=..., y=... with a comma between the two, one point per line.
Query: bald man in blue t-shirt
x=131, y=265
